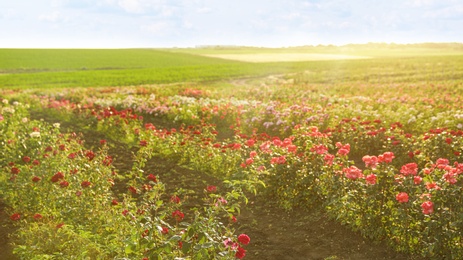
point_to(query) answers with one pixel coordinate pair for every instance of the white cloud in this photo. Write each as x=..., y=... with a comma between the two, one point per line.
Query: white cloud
x=187, y=24
x=292, y=16
x=203, y=10
x=131, y=6
x=53, y=17
x=161, y=7
x=421, y=3
x=7, y=13
x=157, y=27
x=446, y=13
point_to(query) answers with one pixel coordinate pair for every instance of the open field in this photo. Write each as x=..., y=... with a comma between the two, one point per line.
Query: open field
x=163, y=154
x=92, y=68
x=284, y=57
x=371, y=50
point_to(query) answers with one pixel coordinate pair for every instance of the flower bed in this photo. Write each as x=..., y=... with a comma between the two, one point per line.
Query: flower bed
x=388, y=167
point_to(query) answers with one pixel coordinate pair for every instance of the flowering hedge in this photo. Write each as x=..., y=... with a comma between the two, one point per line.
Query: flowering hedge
x=387, y=166
x=60, y=196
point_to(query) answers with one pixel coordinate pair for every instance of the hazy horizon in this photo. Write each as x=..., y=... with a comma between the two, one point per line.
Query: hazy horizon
x=183, y=23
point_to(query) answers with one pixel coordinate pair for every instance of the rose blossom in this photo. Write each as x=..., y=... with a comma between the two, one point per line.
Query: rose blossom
x=409, y=169
x=211, y=188
x=388, y=156
x=370, y=161
x=15, y=216
x=428, y=207
x=244, y=239
x=371, y=179
x=178, y=215
x=353, y=173
x=240, y=253
x=229, y=243
x=402, y=197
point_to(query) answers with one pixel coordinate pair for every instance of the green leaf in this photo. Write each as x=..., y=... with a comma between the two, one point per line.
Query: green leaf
x=130, y=249
x=175, y=238
x=207, y=245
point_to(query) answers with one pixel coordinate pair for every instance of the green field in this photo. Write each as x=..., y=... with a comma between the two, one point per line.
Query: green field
x=50, y=68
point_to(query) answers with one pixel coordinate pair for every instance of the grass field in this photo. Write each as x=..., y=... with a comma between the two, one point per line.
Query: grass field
x=44, y=68
x=284, y=57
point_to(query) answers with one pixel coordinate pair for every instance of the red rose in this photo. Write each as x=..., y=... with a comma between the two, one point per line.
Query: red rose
x=15, y=216
x=402, y=197
x=343, y=149
x=175, y=199
x=292, y=148
x=26, y=159
x=164, y=230
x=244, y=239
x=388, y=156
x=428, y=207
x=250, y=142
x=15, y=170
x=145, y=233
x=90, y=155
x=107, y=160
x=64, y=184
x=133, y=190
x=240, y=253
x=450, y=177
x=38, y=216
x=432, y=185
x=152, y=177
x=211, y=188
x=85, y=184
x=371, y=179
x=409, y=169
x=249, y=161
x=178, y=215
x=353, y=172
x=36, y=179
x=252, y=154
x=58, y=176
x=370, y=161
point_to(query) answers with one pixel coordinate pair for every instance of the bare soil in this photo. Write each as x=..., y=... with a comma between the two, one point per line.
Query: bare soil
x=6, y=228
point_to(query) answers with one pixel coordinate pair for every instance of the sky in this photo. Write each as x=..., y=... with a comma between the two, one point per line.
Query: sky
x=190, y=23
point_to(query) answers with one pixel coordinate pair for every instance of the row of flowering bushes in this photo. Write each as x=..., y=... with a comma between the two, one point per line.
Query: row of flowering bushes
x=60, y=195
x=388, y=167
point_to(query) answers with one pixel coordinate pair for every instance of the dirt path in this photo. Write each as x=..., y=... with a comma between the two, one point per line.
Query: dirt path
x=6, y=228
x=302, y=234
